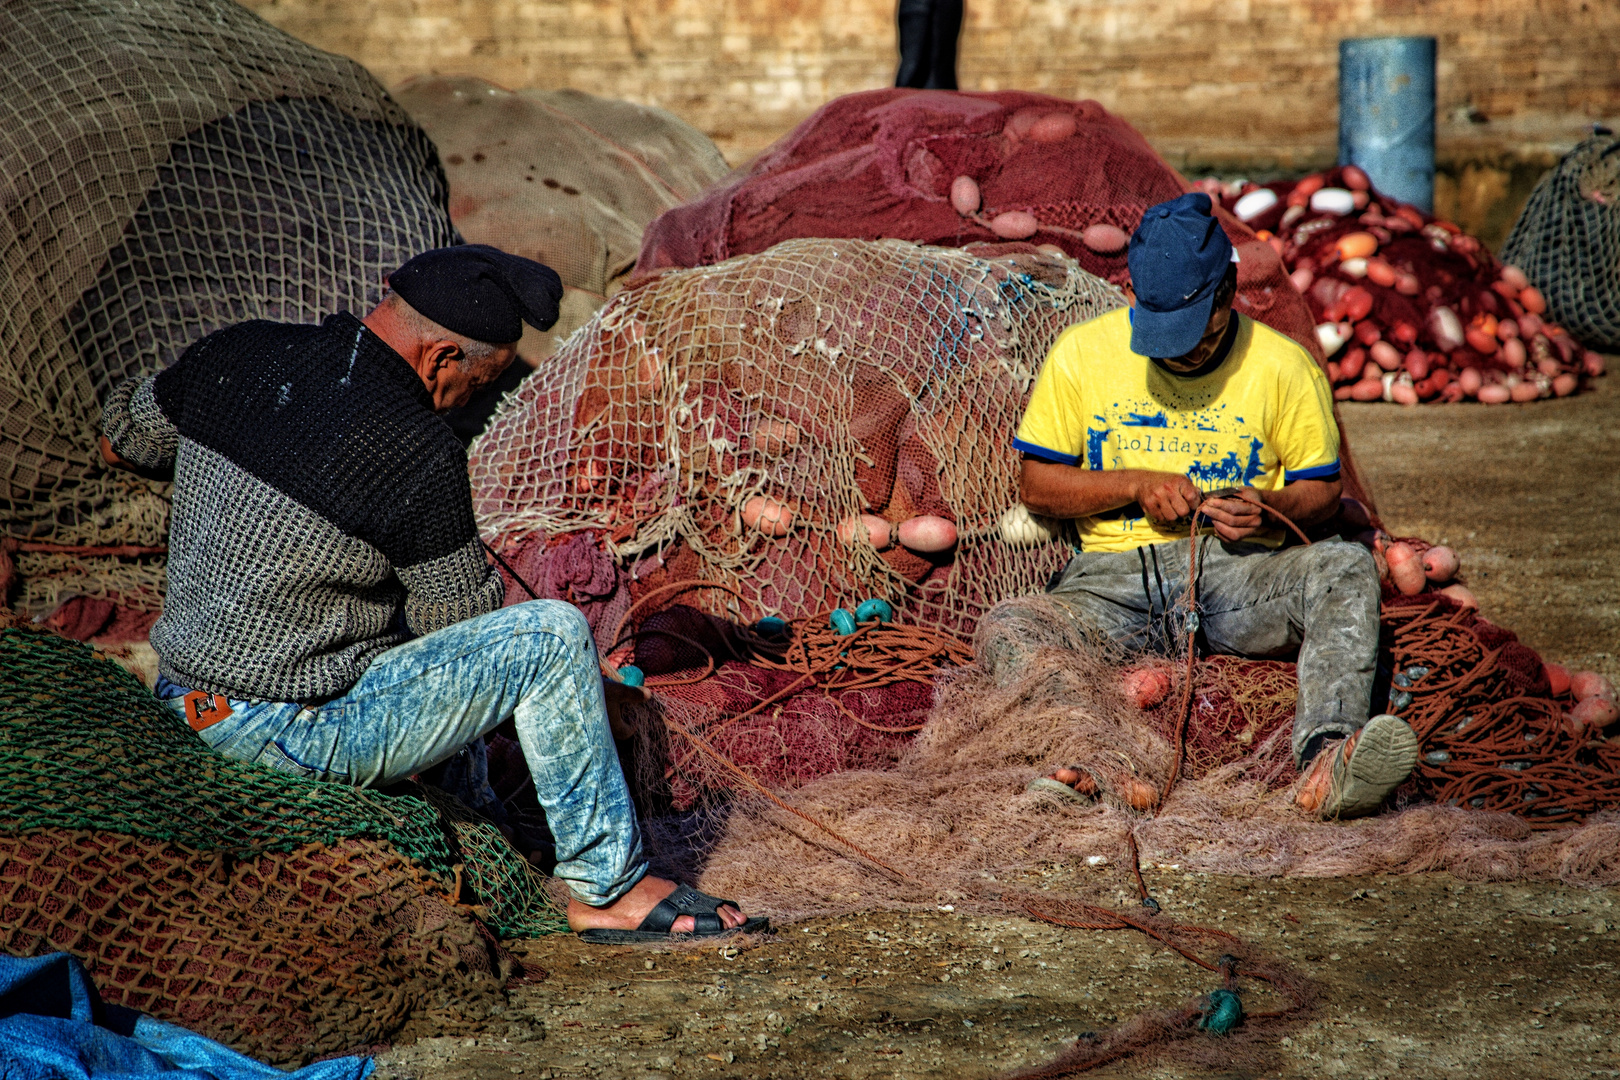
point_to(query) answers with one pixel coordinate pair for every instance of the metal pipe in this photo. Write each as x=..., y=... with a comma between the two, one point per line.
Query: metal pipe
x=1386, y=114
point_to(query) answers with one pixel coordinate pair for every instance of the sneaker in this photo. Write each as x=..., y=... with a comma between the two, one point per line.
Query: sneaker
x=1363, y=769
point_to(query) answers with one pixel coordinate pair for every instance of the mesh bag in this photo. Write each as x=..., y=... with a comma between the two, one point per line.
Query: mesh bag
x=170, y=168
x=1567, y=241
x=882, y=164
x=702, y=414
x=284, y=917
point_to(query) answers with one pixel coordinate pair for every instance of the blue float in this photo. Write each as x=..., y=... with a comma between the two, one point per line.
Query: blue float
x=843, y=621
x=771, y=626
x=631, y=675
x=881, y=610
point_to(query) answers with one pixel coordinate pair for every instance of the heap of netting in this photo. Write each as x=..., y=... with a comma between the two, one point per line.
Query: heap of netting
x=1567, y=241
x=285, y=917
x=811, y=384
x=172, y=167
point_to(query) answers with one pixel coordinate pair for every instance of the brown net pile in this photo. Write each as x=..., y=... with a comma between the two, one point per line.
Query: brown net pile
x=560, y=176
x=953, y=169
x=170, y=167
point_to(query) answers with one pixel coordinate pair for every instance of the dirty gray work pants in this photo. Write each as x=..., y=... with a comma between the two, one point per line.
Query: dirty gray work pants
x=1253, y=601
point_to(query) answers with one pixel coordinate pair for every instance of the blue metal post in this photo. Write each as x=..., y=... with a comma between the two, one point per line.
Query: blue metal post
x=1386, y=114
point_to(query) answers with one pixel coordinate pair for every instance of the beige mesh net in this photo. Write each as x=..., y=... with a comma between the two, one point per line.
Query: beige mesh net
x=722, y=423
x=169, y=168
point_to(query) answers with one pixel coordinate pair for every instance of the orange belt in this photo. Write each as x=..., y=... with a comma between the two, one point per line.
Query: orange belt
x=204, y=710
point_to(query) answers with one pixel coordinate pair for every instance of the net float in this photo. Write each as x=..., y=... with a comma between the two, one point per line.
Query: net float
x=927, y=534
x=1352, y=364
x=876, y=530
x=842, y=620
x=1014, y=225
x=1402, y=392
x=1385, y=355
x=1589, y=684
x=773, y=438
x=1595, y=713
x=1354, y=267
x=1104, y=239
x=1446, y=329
x=1565, y=384
x=1513, y=352
x=1515, y=278
x=1053, y=127
x=1405, y=568
x=875, y=608
x=1302, y=278
x=1331, y=336
x=1405, y=333
x=1481, y=342
x=1368, y=332
x=1507, y=330
x=1495, y=394
x=1462, y=594
x=1408, y=285
x=1145, y=687
x=1416, y=363
x=1368, y=390
x=1353, y=178
x=1529, y=325
x=1524, y=391
x=1440, y=564
x=1021, y=528
x=1255, y=203
x=1357, y=245
x=1139, y=794
x=1592, y=363
x=1558, y=677
x=1532, y=300
x=965, y=196
x=1380, y=272
x=1333, y=201
x=631, y=675
x=767, y=516
x=1358, y=303
x=1470, y=380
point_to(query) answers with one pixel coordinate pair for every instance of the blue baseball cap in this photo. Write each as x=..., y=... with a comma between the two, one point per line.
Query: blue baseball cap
x=1177, y=257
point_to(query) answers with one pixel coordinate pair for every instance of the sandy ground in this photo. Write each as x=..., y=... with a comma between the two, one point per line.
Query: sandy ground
x=1419, y=976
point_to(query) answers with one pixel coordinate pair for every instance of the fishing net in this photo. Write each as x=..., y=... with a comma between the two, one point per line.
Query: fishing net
x=1408, y=307
x=560, y=176
x=720, y=424
x=883, y=164
x=170, y=168
x=1567, y=240
x=284, y=917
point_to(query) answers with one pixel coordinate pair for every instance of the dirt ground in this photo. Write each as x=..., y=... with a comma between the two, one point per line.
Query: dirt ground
x=1419, y=976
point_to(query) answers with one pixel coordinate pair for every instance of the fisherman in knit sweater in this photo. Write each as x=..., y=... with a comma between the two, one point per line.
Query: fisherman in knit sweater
x=331, y=611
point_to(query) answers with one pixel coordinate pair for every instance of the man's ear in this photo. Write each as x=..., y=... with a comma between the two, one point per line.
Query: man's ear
x=441, y=354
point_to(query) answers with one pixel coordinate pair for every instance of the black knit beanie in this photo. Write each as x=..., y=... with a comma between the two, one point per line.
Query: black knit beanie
x=480, y=292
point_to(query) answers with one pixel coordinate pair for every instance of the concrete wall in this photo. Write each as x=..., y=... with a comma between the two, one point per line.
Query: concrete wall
x=1234, y=85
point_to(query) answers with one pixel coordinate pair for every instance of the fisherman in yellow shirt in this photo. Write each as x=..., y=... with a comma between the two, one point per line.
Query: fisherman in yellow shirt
x=1143, y=416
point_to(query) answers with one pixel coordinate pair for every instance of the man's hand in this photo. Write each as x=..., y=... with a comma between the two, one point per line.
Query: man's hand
x=1236, y=517
x=617, y=695
x=1166, y=497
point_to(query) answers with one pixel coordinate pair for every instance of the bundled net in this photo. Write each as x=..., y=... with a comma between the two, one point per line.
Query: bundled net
x=560, y=176
x=284, y=917
x=1567, y=240
x=891, y=163
x=1409, y=307
x=170, y=168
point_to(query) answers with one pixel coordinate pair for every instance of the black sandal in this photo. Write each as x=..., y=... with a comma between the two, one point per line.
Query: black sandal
x=685, y=900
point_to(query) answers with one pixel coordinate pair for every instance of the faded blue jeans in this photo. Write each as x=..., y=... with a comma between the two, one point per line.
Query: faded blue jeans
x=418, y=704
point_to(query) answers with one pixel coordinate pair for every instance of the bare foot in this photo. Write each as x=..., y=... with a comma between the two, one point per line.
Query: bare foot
x=1313, y=793
x=627, y=911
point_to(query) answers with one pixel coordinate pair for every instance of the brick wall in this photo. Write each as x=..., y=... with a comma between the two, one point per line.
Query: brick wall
x=1234, y=85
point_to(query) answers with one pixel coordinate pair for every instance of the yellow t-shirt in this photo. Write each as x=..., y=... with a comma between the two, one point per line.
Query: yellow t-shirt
x=1263, y=418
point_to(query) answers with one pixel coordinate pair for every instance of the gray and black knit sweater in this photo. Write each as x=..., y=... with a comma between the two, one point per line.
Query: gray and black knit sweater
x=322, y=512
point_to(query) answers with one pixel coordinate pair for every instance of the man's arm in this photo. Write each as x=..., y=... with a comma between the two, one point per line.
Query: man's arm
x=1304, y=502
x=1068, y=491
x=135, y=433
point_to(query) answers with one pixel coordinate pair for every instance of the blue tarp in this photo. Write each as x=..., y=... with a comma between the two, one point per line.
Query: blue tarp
x=54, y=1026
